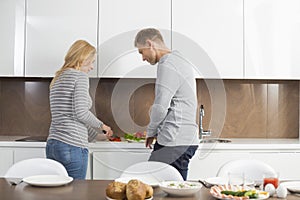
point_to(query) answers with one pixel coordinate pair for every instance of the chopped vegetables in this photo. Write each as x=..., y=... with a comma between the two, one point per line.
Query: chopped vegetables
x=237, y=192
x=136, y=137
x=182, y=185
x=115, y=139
x=242, y=193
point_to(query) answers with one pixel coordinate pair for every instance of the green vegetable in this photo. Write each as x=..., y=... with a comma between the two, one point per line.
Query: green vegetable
x=131, y=137
x=233, y=193
x=252, y=194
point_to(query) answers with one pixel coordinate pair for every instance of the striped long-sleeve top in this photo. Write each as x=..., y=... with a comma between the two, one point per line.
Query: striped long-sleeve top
x=70, y=103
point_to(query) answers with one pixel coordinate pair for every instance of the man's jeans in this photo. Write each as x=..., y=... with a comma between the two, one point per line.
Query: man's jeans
x=176, y=156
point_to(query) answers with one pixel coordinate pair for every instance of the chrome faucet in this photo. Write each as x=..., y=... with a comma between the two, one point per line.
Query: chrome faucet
x=202, y=132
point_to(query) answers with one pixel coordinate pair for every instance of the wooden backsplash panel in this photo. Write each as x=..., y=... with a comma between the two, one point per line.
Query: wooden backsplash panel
x=124, y=103
x=283, y=109
x=249, y=108
x=142, y=106
x=246, y=110
x=102, y=103
x=254, y=108
x=24, y=106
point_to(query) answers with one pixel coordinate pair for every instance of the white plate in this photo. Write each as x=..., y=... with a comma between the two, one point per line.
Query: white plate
x=180, y=188
x=48, y=180
x=223, y=181
x=293, y=186
x=150, y=180
x=216, y=181
x=215, y=191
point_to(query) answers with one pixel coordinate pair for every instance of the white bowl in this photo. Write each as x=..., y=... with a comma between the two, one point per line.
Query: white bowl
x=180, y=188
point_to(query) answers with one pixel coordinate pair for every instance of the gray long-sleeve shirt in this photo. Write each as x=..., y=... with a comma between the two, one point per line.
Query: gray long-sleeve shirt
x=72, y=122
x=173, y=114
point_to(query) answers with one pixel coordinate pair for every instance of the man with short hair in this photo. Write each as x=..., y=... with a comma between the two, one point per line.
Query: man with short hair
x=173, y=114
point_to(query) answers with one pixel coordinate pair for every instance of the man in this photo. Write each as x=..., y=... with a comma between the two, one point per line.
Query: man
x=173, y=114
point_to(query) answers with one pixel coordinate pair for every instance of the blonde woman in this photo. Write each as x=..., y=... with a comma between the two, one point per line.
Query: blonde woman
x=72, y=123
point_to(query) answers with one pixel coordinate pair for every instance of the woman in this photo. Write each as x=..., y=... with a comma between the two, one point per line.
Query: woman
x=72, y=124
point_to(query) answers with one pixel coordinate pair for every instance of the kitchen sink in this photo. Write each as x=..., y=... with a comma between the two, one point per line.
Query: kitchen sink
x=214, y=140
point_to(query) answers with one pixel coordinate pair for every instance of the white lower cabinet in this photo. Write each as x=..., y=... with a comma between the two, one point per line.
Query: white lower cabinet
x=6, y=156
x=286, y=164
x=14, y=155
x=109, y=165
x=27, y=153
x=206, y=164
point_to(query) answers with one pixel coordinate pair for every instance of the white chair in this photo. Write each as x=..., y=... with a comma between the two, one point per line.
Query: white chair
x=35, y=166
x=152, y=172
x=252, y=169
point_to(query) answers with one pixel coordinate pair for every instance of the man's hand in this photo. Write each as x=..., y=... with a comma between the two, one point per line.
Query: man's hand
x=149, y=142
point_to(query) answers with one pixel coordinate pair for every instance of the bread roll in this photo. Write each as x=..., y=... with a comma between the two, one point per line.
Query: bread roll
x=135, y=190
x=116, y=190
x=149, y=191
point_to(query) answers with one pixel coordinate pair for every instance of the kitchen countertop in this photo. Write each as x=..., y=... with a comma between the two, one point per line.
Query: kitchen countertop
x=235, y=144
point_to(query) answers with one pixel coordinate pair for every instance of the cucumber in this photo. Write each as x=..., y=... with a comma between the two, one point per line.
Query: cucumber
x=252, y=194
x=234, y=193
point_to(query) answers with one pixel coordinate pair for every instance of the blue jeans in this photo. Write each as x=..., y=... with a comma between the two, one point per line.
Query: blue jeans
x=74, y=159
x=176, y=156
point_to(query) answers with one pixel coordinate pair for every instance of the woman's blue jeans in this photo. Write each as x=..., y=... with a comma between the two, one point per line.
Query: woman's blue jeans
x=74, y=159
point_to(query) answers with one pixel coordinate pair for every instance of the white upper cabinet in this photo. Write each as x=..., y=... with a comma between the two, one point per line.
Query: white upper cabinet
x=272, y=39
x=12, y=19
x=119, y=22
x=52, y=26
x=210, y=34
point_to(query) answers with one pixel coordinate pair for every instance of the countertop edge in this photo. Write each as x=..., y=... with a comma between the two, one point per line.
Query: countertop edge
x=240, y=144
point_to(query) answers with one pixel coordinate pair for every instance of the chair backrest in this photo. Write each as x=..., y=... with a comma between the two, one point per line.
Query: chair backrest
x=153, y=170
x=252, y=169
x=36, y=166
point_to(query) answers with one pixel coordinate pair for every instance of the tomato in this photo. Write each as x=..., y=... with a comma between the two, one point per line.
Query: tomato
x=273, y=181
x=115, y=139
x=141, y=135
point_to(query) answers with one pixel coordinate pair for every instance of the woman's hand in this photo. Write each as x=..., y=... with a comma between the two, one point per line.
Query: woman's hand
x=107, y=130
